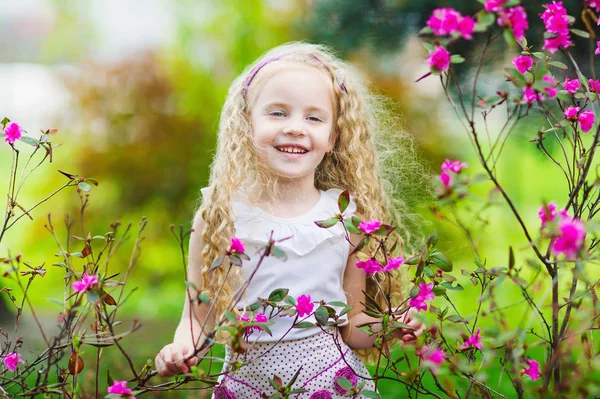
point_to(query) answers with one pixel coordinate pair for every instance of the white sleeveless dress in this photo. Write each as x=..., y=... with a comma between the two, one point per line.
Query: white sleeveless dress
x=316, y=260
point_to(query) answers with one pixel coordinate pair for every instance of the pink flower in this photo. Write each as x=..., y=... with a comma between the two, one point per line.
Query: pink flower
x=571, y=238
x=446, y=179
x=523, y=63
x=553, y=43
x=370, y=226
x=515, y=18
x=12, y=361
x=556, y=22
x=597, y=52
x=393, y=264
x=466, y=27
x=439, y=59
x=425, y=294
x=453, y=166
x=594, y=4
x=474, y=340
x=586, y=120
x=13, y=132
x=530, y=95
x=571, y=113
x=345, y=372
x=533, y=370
x=432, y=357
x=120, y=388
x=552, y=91
x=322, y=394
x=444, y=21
x=571, y=85
x=370, y=266
x=260, y=318
x=494, y=5
x=86, y=282
x=304, y=306
x=245, y=320
x=222, y=392
x=237, y=246
x=550, y=213
x=594, y=85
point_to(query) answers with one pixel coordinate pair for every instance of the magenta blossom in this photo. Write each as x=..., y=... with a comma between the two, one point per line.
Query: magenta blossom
x=466, y=26
x=533, y=370
x=523, y=63
x=120, y=388
x=597, y=52
x=453, y=166
x=370, y=266
x=237, y=246
x=345, y=372
x=425, y=294
x=594, y=85
x=571, y=238
x=393, y=263
x=322, y=394
x=474, y=340
x=13, y=132
x=556, y=22
x=550, y=213
x=86, y=282
x=432, y=357
x=447, y=21
x=552, y=91
x=494, y=5
x=571, y=113
x=571, y=85
x=304, y=306
x=370, y=226
x=552, y=44
x=530, y=95
x=515, y=18
x=446, y=179
x=12, y=360
x=260, y=318
x=439, y=59
x=586, y=120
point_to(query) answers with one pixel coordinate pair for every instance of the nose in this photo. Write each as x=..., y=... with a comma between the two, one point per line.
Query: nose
x=295, y=128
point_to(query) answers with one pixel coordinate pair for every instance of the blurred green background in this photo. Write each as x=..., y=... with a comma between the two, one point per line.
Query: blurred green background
x=135, y=90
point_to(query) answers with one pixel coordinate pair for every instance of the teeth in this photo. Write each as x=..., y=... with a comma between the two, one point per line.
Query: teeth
x=291, y=150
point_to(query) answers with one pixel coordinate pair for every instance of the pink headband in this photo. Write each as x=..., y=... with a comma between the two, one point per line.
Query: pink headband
x=339, y=73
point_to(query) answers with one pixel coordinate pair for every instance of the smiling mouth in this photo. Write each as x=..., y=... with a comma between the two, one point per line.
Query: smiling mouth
x=291, y=150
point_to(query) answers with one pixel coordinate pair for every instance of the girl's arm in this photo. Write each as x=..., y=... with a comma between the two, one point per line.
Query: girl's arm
x=355, y=282
x=170, y=360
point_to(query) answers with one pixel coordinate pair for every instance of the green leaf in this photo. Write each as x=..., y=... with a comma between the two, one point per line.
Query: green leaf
x=450, y=287
x=413, y=260
x=93, y=297
x=83, y=186
x=4, y=121
x=343, y=201
x=254, y=306
x=304, y=324
x=439, y=290
x=216, y=263
x=91, y=181
x=278, y=253
x=322, y=315
x=345, y=310
x=344, y=383
x=338, y=304
x=290, y=300
x=580, y=33
x=350, y=227
x=509, y=38
x=203, y=298
x=457, y=59
x=29, y=140
x=278, y=294
x=428, y=46
x=425, y=31
x=332, y=221
x=432, y=240
x=370, y=394
x=109, y=379
x=558, y=64
x=235, y=260
x=441, y=261
x=454, y=318
x=361, y=244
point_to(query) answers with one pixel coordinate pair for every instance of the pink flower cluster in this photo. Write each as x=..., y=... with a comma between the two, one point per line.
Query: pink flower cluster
x=586, y=118
x=553, y=90
x=369, y=226
x=236, y=246
x=259, y=318
x=523, y=63
x=531, y=96
x=571, y=85
x=514, y=18
x=425, y=294
x=439, y=59
x=12, y=360
x=474, y=340
x=597, y=52
x=494, y=5
x=304, y=306
x=594, y=85
x=13, y=132
x=371, y=265
x=556, y=22
x=571, y=231
x=448, y=21
x=86, y=282
x=120, y=388
x=533, y=369
x=432, y=357
x=449, y=168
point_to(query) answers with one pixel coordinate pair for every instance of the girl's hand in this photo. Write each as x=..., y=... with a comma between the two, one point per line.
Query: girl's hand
x=170, y=360
x=406, y=335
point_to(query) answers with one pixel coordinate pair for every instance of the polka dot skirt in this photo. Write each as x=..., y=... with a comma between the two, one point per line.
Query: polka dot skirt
x=323, y=357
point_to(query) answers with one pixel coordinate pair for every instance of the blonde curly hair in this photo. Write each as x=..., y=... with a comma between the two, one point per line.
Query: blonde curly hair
x=354, y=164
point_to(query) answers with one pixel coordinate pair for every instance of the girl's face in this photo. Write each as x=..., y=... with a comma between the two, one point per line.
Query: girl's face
x=292, y=118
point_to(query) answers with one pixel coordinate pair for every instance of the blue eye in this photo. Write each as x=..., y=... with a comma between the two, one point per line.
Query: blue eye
x=314, y=119
x=278, y=114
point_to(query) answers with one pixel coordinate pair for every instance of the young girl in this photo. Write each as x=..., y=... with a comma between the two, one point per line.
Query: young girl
x=296, y=129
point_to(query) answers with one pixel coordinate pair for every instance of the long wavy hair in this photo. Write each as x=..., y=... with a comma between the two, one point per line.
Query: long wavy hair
x=355, y=163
